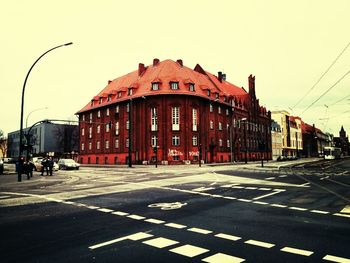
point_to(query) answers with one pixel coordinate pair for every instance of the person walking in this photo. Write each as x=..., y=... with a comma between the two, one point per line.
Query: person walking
x=44, y=166
x=50, y=165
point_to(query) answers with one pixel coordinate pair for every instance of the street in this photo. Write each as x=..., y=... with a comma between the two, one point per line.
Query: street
x=230, y=213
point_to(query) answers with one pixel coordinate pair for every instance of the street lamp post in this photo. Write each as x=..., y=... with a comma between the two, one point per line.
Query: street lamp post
x=22, y=106
x=45, y=108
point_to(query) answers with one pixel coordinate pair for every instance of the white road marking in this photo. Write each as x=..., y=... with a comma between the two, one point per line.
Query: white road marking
x=319, y=212
x=136, y=217
x=105, y=210
x=346, y=209
x=230, y=197
x=343, y=215
x=189, y=250
x=200, y=230
x=120, y=213
x=336, y=259
x=251, y=188
x=305, y=185
x=223, y=258
x=155, y=221
x=277, y=205
x=93, y=207
x=228, y=237
x=217, y=196
x=265, y=189
x=4, y=196
x=263, y=196
x=297, y=251
x=160, y=242
x=133, y=237
x=297, y=208
x=227, y=186
x=259, y=243
x=270, y=178
x=238, y=187
x=244, y=200
x=282, y=176
x=200, y=189
x=178, y=226
x=260, y=203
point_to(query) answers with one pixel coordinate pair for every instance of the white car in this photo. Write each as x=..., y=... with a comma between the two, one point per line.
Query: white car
x=65, y=164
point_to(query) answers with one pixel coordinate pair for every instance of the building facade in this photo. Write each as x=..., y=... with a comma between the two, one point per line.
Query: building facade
x=46, y=138
x=169, y=113
x=276, y=140
x=342, y=142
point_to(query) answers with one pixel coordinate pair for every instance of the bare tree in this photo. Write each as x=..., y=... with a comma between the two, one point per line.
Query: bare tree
x=67, y=137
x=3, y=143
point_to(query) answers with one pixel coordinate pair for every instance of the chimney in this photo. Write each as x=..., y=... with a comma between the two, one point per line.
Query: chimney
x=180, y=62
x=109, y=81
x=142, y=68
x=155, y=62
x=220, y=76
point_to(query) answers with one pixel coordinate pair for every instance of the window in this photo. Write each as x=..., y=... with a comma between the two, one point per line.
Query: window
x=174, y=85
x=98, y=114
x=127, y=107
x=220, y=142
x=83, y=117
x=98, y=129
x=175, y=115
x=176, y=158
x=100, y=100
x=211, y=107
x=154, y=140
x=117, y=128
x=154, y=119
x=227, y=112
x=116, y=143
x=155, y=86
x=109, y=98
x=228, y=143
x=82, y=132
x=227, y=126
x=130, y=91
x=220, y=126
x=194, y=119
x=98, y=145
x=191, y=87
x=92, y=103
x=176, y=140
x=219, y=109
x=217, y=96
x=90, y=145
x=90, y=132
x=107, y=112
x=117, y=109
x=127, y=143
x=107, y=144
x=194, y=140
x=225, y=98
x=127, y=125
x=107, y=127
x=211, y=125
x=82, y=146
x=90, y=117
x=208, y=92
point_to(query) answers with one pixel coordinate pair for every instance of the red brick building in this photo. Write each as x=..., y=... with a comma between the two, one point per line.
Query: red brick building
x=187, y=114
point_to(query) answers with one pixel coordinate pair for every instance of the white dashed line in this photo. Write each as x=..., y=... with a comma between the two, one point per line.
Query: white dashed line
x=199, y=230
x=155, y=221
x=189, y=250
x=136, y=217
x=343, y=215
x=160, y=242
x=105, y=210
x=93, y=207
x=173, y=225
x=228, y=237
x=297, y=251
x=238, y=187
x=222, y=258
x=277, y=205
x=259, y=243
x=270, y=178
x=265, y=189
x=230, y=197
x=297, y=208
x=244, y=200
x=260, y=203
x=336, y=259
x=319, y=212
x=119, y=213
x=251, y=188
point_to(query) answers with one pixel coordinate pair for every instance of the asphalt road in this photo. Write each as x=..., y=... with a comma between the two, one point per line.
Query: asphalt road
x=299, y=213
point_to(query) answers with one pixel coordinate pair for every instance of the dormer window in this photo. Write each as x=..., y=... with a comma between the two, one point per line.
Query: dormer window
x=130, y=91
x=191, y=87
x=208, y=92
x=225, y=99
x=119, y=94
x=217, y=96
x=174, y=85
x=155, y=86
x=100, y=101
x=92, y=103
x=109, y=98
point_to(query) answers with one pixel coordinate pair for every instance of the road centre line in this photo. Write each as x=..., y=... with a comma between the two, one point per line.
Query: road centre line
x=336, y=259
x=319, y=212
x=297, y=208
x=174, y=225
x=228, y=237
x=136, y=217
x=154, y=221
x=105, y=210
x=120, y=213
x=259, y=243
x=297, y=251
x=200, y=230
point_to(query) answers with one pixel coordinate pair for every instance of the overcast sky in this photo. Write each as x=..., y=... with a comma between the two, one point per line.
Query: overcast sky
x=287, y=45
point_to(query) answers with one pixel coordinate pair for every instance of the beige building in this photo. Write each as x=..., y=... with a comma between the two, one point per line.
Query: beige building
x=292, y=139
x=276, y=140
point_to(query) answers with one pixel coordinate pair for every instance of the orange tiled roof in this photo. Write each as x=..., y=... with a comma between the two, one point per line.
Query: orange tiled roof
x=163, y=73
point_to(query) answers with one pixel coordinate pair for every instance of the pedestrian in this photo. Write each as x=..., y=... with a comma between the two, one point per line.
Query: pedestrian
x=31, y=167
x=43, y=166
x=50, y=165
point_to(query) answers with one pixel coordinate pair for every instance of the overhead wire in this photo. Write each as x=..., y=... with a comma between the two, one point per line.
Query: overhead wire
x=336, y=59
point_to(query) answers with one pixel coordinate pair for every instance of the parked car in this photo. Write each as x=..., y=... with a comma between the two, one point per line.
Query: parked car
x=65, y=164
x=55, y=166
x=1, y=166
x=37, y=163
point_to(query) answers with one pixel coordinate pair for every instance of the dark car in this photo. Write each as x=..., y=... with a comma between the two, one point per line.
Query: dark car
x=65, y=164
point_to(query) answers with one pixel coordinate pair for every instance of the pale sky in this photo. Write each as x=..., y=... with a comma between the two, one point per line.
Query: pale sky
x=287, y=45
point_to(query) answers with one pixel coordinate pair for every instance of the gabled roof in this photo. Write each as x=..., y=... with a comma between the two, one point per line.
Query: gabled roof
x=163, y=73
